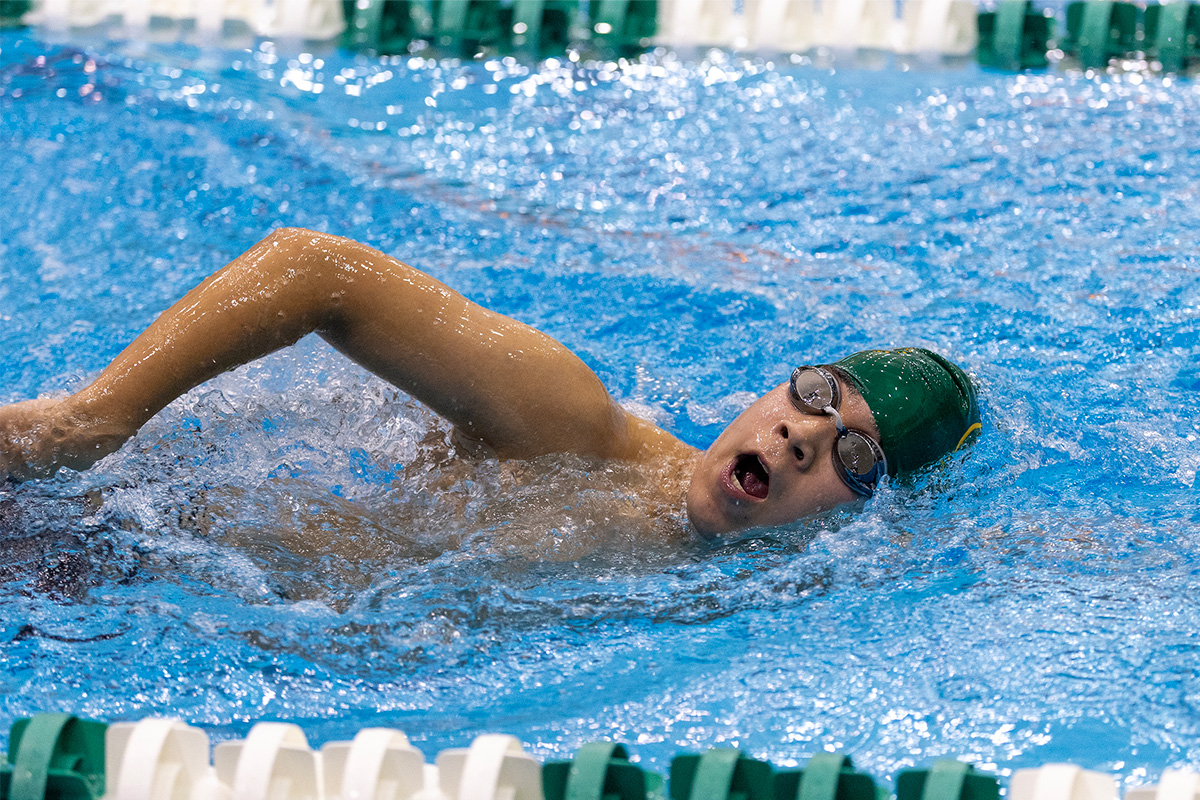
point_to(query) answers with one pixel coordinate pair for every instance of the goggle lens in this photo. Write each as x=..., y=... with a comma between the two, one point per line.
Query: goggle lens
x=813, y=391
x=858, y=457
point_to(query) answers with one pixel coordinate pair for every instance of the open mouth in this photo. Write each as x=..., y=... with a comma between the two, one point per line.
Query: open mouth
x=751, y=474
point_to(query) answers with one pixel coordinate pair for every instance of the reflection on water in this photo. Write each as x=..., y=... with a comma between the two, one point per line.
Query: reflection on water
x=299, y=541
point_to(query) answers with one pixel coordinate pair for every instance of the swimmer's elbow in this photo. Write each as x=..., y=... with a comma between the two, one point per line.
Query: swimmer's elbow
x=300, y=241
x=291, y=234
x=305, y=257
x=318, y=255
x=333, y=278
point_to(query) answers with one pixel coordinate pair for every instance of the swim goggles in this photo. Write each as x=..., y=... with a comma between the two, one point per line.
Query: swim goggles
x=857, y=457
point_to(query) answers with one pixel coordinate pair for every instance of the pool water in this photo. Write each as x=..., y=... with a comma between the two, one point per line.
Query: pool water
x=297, y=540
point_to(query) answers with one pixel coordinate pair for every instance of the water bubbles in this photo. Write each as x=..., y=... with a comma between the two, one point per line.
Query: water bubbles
x=693, y=229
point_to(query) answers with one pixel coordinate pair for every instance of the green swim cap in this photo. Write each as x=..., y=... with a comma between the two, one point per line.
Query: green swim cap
x=923, y=405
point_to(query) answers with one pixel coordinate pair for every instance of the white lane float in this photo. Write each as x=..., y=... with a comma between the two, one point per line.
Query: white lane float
x=1061, y=782
x=494, y=767
x=1175, y=784
x=379, y=764
x=274, y=762
x=159, y=759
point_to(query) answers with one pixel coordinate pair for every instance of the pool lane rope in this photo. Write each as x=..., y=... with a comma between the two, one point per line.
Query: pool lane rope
x=61, y=757
x=1013, y=36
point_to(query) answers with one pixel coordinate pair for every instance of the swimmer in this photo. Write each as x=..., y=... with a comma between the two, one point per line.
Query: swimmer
x=824, y=437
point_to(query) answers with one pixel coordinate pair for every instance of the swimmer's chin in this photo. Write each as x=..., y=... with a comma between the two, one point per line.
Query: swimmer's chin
x=717, y=533
x=714, y=532
x=709, y=520
x=720, y=538
x=712, y=537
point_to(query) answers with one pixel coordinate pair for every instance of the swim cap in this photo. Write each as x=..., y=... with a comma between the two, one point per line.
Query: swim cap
x=923, y=405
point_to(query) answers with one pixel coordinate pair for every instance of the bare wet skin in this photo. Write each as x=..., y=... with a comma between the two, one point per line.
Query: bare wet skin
x=316, y=545
x=317, y=541
x=506, y=385
x=210, y=481
x=557, y=470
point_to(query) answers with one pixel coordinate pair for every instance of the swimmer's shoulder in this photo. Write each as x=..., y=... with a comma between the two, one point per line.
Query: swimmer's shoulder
x=630, y=438
x=647, y=442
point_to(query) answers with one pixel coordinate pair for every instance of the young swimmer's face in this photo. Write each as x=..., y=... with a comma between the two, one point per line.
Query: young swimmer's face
x=773, y=465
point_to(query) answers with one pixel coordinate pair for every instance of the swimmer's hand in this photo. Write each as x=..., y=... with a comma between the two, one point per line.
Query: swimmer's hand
x=39, y=436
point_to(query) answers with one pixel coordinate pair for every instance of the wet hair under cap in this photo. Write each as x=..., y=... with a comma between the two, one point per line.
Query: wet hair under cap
x=923, y=405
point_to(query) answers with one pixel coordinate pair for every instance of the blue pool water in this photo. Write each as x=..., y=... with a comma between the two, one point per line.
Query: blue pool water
x=692, y=228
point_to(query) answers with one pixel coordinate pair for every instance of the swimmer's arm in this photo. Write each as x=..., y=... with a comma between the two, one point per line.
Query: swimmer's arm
x=500, y=382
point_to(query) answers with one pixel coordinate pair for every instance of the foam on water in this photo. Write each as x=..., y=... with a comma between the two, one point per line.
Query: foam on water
x=297, y=540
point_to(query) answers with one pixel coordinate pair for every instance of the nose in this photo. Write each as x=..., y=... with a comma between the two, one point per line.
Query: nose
x=801, y=438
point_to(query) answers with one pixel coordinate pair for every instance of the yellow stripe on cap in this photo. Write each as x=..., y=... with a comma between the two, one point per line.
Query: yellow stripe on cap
x=978, y=426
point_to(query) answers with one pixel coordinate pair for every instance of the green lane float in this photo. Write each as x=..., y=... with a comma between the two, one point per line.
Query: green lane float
x=11, y=12
x=1100, y=30
x=54, y=755
x=1015, y=36
x=1172, y=34
x=720, y=774
x=543, y=25
x=600, y=771
x=626, y=26
x=827, y=776
x=947, y=780
x=388, y=26
x=537, y=27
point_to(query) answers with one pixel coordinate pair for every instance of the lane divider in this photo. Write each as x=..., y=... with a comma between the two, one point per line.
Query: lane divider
x=1015, y=36
x=1006, y=34
x=494, y=766
x=827, y=776
x=160, y=759
x=61, y=757
x=1101, y=30
x=1172, y=34
x=273, y=762
x=947, y=27
x=720, y=774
